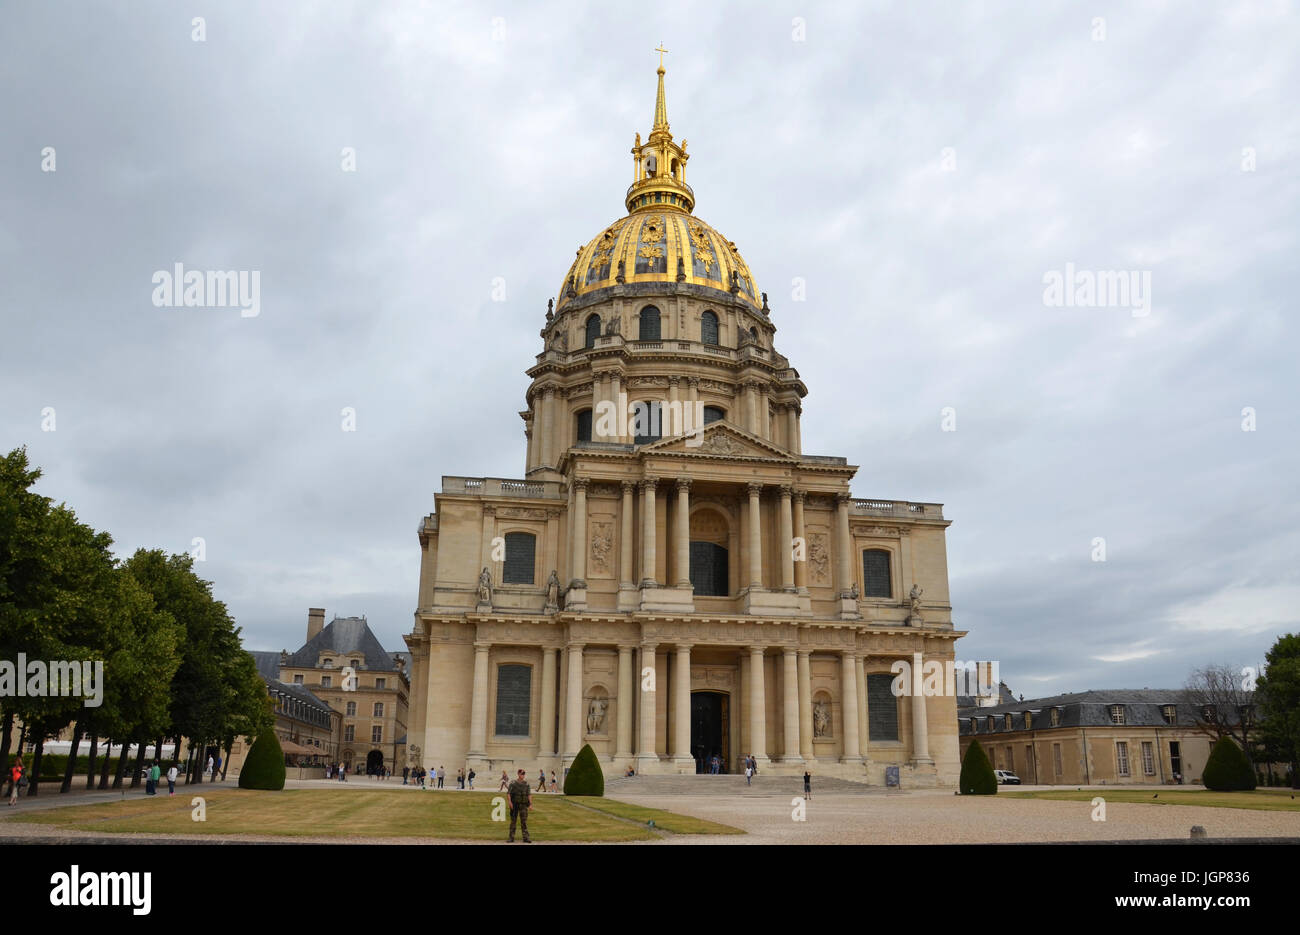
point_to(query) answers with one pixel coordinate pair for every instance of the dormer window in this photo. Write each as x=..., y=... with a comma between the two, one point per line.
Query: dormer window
x=1007, y=722
x=355, y=663
x=992, y=724
x=1170, y=713
x=327, y=662
x=1029, y=721
x=1117, y=714
x=1055, y=717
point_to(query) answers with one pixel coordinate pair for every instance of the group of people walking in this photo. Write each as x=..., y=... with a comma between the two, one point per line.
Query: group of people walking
x=435, y=778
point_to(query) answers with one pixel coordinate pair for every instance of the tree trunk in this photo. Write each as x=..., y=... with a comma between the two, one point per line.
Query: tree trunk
x=176, y=750
x=34, y=777
x=225, y=760
x=72, y=759
x=139, y=764
x=108, y=761
x=94, y=749
x=6, y=727
x=121, y=764
x=199, y=762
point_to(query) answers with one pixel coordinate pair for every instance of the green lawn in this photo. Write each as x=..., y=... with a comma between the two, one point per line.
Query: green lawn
x=664, y=821
x=1266, y=800
x=327, y=812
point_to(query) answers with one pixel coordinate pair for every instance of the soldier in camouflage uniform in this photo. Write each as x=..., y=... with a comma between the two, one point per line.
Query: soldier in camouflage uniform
x=519, y=800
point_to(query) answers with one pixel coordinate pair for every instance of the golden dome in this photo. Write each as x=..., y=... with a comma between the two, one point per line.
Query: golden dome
x=667, y=246
x=659, y=241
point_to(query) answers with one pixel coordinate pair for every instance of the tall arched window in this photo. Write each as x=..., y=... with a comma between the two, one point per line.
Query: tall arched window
x=709, y=328
x=584, y=425
x=521, y=553
x=876, y=581
x=593, y=330
x=648, y=422
x=649, y=323
x=709, y=569
x=713, y=414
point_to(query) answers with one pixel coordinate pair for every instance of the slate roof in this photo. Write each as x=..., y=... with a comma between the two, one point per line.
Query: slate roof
x=268, y=664
x=345, y=636
x=1005, y=696
x=299, y=692
x=1143, y=707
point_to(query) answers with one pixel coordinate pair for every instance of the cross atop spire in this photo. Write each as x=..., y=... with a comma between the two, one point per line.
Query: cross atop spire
x=661, y=108
x=661, y=50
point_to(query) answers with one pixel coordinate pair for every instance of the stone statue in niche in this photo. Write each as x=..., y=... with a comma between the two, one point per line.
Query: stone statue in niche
x=853, y=593
x=550, y=309
x=621, y=278
x=485, y=586
x=614, y=325
x=596, y=715
x=681, y=270
x=553, y=591
x=821, y=719
x=914, y=598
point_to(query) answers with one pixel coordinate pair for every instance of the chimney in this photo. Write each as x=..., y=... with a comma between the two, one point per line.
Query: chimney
x=315, y=621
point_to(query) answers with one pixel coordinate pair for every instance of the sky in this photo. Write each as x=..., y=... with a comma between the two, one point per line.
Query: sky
x=907, y=181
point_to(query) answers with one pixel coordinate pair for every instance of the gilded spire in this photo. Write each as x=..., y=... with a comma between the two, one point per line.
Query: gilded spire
x=661, y=109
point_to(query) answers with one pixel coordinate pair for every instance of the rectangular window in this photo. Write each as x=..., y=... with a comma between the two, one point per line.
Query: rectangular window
x=1055, y=717
x=1011, y=760
x=352, y=708
x=326, y=681
x=1117, y=714
x=297, y=680
x=381, y=683
x=875, y=574
x=1170, y=713
x=350, y=733
x=379, y=709
x=1029, y=761
x=584, y=425
x=882, y=707
x=514, y=699
x=521, y=552
x=1148, y=759
x=376, y=734
x=1121, y=757
x=1056, y=760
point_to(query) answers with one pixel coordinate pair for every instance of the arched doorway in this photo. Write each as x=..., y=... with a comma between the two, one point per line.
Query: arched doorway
x=374, y=762
x=710, y=730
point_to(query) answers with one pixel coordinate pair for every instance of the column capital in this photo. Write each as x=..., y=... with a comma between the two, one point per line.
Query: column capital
x=627, y=647
x=649, y=647
x=684, y=647
x=648, y=483
x=754, y=487
x=629, y=486
x=804, y=652
x=683, y=483
x=548, y=391
x=674, y=381
x=787, y=491
x=843, y=497
x=482, y=646
x=574, y=644
x=756, y=650
x=580, y=483
x=799, y=495
x=694, y=381
x=788, y=650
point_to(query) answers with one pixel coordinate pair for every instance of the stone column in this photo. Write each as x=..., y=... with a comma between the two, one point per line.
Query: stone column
x=479, y=704
x=546, y=730
x=787, y=540
x=573, y=726
x=646, y=685
x=864, y=732
x=682, y=707
x=625, y=539
x=849, y=707
x=620, y=410
x=790, y=707
x=842, y=547
x=805, y=705
x=755, y=540
x=674, y=396
x=579, y=533
x=801, y=566
x=757, y=705
x=682, y=531
x=764, y=412
x=548, y=427
x=626, y=694
x=648, y=533
x=791, y=428
x=920, y=733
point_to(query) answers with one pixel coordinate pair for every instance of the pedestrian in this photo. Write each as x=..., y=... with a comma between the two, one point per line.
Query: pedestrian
x=807, y=784
x=460, y=778
x=505, y=782
x=554, y=786
x=519, y=800
x=17, y=779
x=216, y=768
x=155, y=773
x=442, y=774
x=406, y=771
x=171, y=780
x=208, y=767
x=471, y=777
x=749, y=774
x=148, y=779
x=541, y=780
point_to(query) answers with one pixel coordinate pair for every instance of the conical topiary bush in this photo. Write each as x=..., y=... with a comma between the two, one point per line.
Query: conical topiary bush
x=264, y=765
x=585, y=776
x=1227, y=769
x=977, y=772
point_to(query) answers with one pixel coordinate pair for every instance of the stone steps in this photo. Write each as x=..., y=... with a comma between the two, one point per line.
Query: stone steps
x=764, y=784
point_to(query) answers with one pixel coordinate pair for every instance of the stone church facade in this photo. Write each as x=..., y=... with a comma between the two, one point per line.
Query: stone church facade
x=673, y=581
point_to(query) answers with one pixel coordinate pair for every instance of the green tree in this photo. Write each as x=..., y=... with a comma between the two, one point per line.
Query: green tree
x=585, y=776
x=977, y=777
x=1227, y=769
x=1278, y=692
x=264, y=765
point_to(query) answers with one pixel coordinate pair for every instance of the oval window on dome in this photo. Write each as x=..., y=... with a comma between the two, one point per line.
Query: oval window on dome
x=649, y=324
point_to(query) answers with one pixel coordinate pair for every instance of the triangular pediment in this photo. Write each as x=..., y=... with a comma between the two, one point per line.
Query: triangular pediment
x=719, y=440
